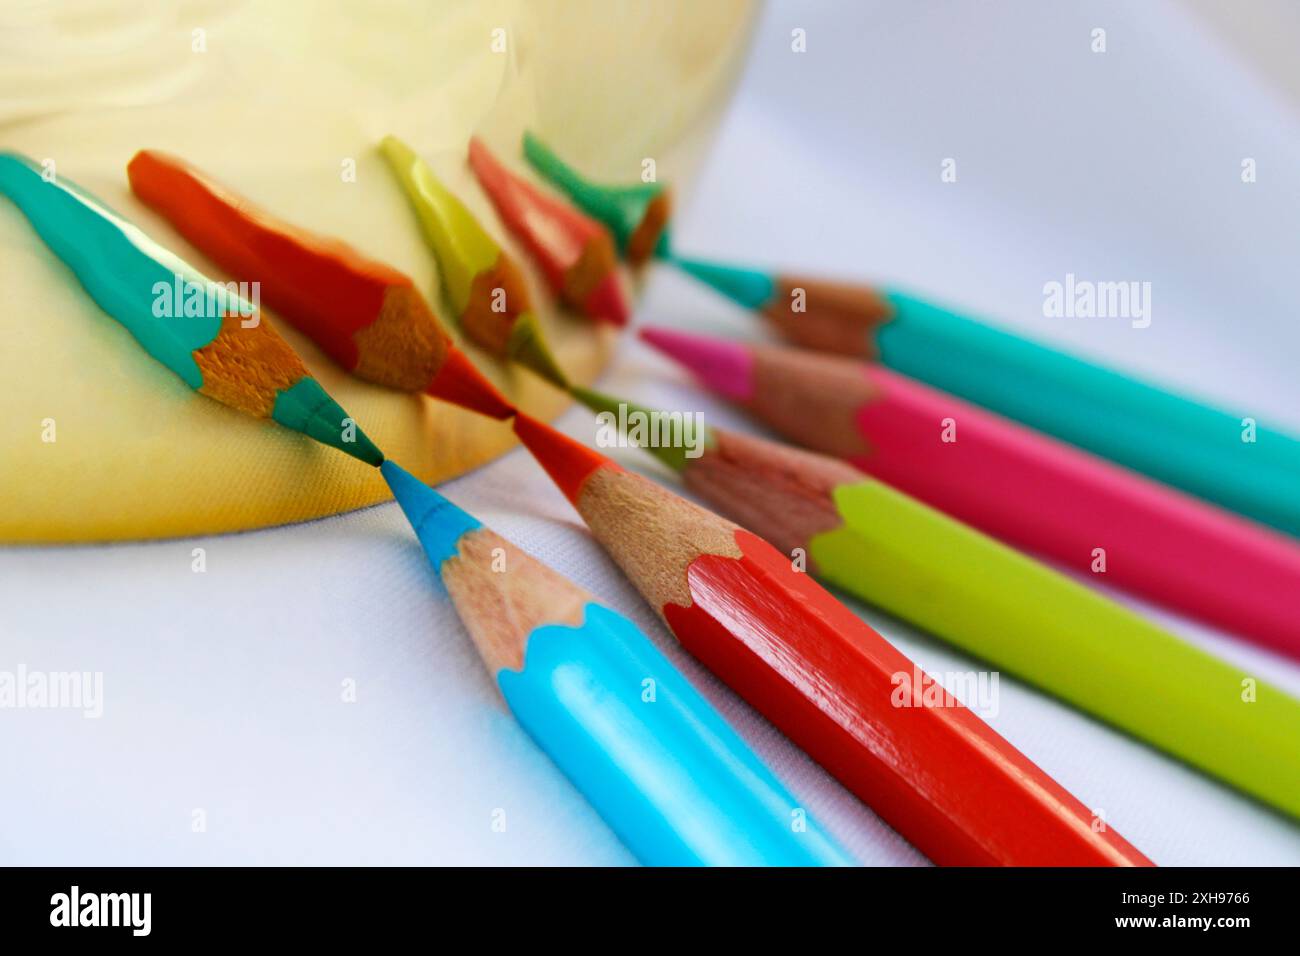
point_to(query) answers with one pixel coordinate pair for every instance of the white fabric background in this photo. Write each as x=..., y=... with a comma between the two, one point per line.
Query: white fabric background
x=223, y=690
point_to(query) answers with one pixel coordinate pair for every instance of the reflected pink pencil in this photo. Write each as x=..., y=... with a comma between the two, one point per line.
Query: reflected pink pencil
x=1030, y=490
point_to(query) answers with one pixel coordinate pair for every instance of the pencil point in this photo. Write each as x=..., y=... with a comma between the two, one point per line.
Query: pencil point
x=721, y=366
x=308, y=408
x=674, y=456
x=437, y=522
x=747, y=287
x=568, y=462
x=528, y=347
x=458, y=381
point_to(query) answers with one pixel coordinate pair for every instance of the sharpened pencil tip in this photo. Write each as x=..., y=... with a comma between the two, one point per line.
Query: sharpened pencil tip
x=721, y=366
x=747, y=287
x=460, y=382
x=306, y=407
x=568, y=462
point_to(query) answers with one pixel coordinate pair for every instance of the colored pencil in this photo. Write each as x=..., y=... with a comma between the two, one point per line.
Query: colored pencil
x=574, y=252
x=672, y=779
x=892, y=551
x=1015, y=484
x=927, y=764
x=487, y=292
x=1172, y=438
x=637, y=214
x=212, y=339
x=366, y=316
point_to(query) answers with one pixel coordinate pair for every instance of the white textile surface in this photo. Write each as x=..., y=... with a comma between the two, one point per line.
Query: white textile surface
x=224, y=691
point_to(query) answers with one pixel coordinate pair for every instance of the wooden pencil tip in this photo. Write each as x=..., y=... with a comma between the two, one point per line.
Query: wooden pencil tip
x=459, y=382
x=568, y=462
x=721, y=366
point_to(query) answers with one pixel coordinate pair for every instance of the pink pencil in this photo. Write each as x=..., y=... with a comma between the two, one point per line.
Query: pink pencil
x=1016, y=484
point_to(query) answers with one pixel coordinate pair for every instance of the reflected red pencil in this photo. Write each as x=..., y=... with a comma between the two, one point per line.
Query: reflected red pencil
x=573, y=250
x=367, y=316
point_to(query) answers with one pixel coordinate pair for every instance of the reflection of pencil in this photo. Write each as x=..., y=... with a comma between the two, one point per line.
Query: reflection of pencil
x=486, y=289
x=366, y=315
x=574, y=252
x=928, y=765
x=922, y=566
x=677, y=785
x=1013, y=483
x=215, y=343
x=636, y=214
x=1174, y=439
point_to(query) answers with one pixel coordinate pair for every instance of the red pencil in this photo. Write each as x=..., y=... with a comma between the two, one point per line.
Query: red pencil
x=573, y=250
x=928, y=765
x=1014, y=483
x=368, y=317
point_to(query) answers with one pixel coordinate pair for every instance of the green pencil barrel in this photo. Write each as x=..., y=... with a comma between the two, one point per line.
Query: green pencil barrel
x=1022, y=617
x=1171, y=438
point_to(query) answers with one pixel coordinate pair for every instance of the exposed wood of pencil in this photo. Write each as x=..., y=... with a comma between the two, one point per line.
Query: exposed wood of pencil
x=482, y=321
x=783, y=493
x=813, y=398
x=829, y=316
x=503, y=594
x=247, y=368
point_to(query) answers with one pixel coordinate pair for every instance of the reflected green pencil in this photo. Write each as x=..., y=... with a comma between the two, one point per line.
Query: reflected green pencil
x=200, y=329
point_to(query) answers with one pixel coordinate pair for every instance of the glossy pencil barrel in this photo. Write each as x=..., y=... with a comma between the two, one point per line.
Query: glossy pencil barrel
x=678, y=786
x=1019, y=615
x=1050, y=498
x=1171, y=438
x=927, y=764
x=668, y=775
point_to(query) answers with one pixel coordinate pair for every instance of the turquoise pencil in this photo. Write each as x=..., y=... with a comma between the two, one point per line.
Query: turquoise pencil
x=1224, y=457
x=673, y=781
